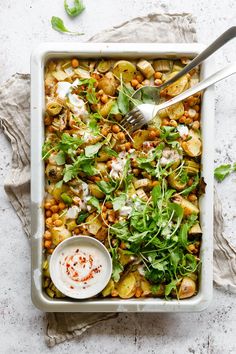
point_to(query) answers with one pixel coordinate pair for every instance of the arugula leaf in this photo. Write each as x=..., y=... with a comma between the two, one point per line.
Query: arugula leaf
x=92, y=150
x=156, y=194
x=47, y=148
x=94, y=202
x=106, y=187
x=76, y=9
x=81, y=217
x=90, y=92
x=115, y=109
x=69, y=144
x=171, y=286
x=82, y=163
x=110, y=152
x=60, y=158
x=58, y=25
x=117, y=267
x=223, y=171
x=119, y=202
x=123, y=102
x=192, y=187
x=183, y=235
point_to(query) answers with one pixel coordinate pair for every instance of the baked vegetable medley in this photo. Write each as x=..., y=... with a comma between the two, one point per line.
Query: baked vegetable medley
x=137, y=194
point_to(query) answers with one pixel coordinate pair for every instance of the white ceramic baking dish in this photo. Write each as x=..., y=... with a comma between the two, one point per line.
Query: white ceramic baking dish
x=118, y=50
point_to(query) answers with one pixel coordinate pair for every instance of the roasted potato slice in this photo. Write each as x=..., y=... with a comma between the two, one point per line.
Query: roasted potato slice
x=59, y=234
x=175, y=182
x=53, y=108
x=189, y=208
x=95, y=191
x=146, y=68
x=127, y=286
x=178, y=86
x=187, y=288
x=175, y=111
x=146, y=287
x=105, y=110
x=193, y=146
x=124, y=69
x=139, y=137
x=94, y=224
x=108, y=84
x=108, y=289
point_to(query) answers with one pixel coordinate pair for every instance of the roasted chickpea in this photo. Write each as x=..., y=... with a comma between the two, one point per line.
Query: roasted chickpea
x=134, y=82
x=54, y=208
x=127, y=146
x=61, y=205
x=104, y=99
x=74, y=63
x=48, y=213
x=58, y=222
x=157, y=75
x=115, y=128
x=152, y=134
x=121, y=136
x=158, y=82
x=109, y=205
x=47, y=244
x=47, y=235
x=195, y=125
x=173, y=123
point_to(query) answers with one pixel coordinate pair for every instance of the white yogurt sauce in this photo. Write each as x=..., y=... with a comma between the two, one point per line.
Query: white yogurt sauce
x=78, y=269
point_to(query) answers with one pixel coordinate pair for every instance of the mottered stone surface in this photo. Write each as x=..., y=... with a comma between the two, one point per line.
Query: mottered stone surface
x=26, y=23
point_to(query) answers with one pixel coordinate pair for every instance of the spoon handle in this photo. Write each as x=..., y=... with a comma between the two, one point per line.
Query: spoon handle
x=219, y=42
x=219, y=75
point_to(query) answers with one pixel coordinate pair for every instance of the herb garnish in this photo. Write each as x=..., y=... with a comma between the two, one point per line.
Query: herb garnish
x=58, y=25
x=221, y=172
x=74, y=10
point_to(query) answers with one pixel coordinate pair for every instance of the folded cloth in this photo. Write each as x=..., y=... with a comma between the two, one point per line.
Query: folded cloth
x=15, y=118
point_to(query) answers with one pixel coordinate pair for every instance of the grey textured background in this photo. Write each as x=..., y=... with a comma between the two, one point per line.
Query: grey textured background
x=24, y=24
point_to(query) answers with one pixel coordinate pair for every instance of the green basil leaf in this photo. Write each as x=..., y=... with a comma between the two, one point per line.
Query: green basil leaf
x=76, y=9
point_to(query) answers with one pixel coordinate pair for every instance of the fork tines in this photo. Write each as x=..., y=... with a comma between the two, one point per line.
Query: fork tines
x=133, y=120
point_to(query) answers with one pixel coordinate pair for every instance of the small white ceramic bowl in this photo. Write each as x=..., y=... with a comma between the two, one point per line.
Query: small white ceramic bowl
x=80, y=267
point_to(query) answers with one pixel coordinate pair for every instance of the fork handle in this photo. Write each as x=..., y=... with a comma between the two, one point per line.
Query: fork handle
x=219, y=42
x=219, y=75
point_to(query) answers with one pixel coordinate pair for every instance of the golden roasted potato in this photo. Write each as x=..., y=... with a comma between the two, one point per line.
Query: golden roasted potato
x=139, y=137
x=193, y=146
x=127, y=286
x=105, y=110
x=189, y=208
x=108, y=289
x=59, y=234
x=54, y=173
x=94, y=224
x=124, y=69
x=175, y=111
x=187, y=288
x=178, y=86
x=108, y=84
x=53, y=108
x=95, y=191
x=175, y=182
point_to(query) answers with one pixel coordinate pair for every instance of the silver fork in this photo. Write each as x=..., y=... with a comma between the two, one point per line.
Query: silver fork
x=154, y=91
x=144, y=113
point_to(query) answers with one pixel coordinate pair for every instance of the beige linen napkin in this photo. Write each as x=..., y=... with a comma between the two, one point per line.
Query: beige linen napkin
x=14, y=120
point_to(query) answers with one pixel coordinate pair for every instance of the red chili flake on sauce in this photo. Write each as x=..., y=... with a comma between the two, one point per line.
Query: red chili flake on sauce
x=71, y=287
